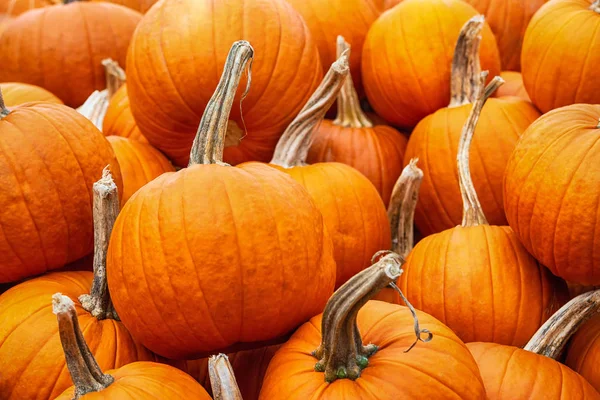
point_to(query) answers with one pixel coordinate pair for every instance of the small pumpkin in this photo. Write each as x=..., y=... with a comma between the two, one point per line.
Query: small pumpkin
x=118, y=120
x=16, y=93
x=513, y=86
x=552, y=192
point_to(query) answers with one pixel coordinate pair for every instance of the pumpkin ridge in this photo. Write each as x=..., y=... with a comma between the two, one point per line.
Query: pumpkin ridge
x=88, y=42
x=519, y=270
x=490, y=271
x=587, y=59
x=510, y=359
x=488, y=183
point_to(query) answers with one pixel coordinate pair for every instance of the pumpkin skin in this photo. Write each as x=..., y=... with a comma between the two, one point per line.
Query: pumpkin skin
x=10, y=8
x=435, y=142
x=16, y=93
x=406, y=83
x=584, y=351
x=138, y=5
x=30, y=343
x=513, y=86
x=442, y=368
x=140, y=163
x=51, y=157
x=118, y=120
x=552, y=190
x=286, y=71
x=57, y=56
x=512, y=373
x=555, y=65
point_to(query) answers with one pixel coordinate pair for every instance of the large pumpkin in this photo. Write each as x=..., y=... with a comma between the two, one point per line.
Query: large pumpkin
x=477, y=278
x=118, y=120
x=33, y=50
x=169, y=85
x=16, y=93
x=213, y=255
x=552, y=192
x=51, y=156
x=436, y=138
x=407, y=57
x=559, y=49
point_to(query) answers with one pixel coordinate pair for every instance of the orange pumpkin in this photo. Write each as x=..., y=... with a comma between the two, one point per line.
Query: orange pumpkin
x=435, y=142
x=407, y=57
x=247, y=247
x=477, y=278
x=552, y=192
x=16, y=93
x=51, y=156
x=137, y=5
x=513, y=86
x=181, y=74
x=33, y=50
x=140, y=163
x=13, y=8
x=559, y=49
x=583, y=354
x=118, y=120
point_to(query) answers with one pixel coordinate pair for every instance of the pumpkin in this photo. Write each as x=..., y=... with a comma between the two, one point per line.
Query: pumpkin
x=351, y=206
x=328, y=358
x=33, y=50
x=138, y=5
x=352, y=138
x=181, y=73
x=435, y=142
x=584, y=351
x=552, y=192
x=559, y=49
x=29, y=340
x=16, y=93
x=513, y=86
x=13, y=8
x=407, y=57
x=118, y=120
x=477, y=278
x=513, y=373
x=247, y=247
x=51, y=156
x=135, y=381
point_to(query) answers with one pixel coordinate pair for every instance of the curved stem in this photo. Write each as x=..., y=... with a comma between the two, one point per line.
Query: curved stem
x=349, y=113
x=472, y=212
x=85, y=372
x=3, y=110
x=115, y=76
x=222, y=379
x=210, y=139
x=464, y=81
x=552, y=337
x=401, y=210
x=292, y=148
x=106, y=209
x=595, y=6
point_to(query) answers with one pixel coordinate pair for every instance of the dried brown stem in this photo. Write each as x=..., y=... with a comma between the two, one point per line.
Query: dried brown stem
x=3, y=110
x=95, y=107
x=222, y=378
x=595, y=6
x=472, y=212
x=552, y=337
x=210, y=139
x=292, y=148
x=464, y=81
x=85, y=372
x=115, y=76
x=106, y=210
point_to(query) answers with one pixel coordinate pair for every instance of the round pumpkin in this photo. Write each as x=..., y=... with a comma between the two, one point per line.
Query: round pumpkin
x=118, y=120
x=227, y=256
x=180, y=75
x=552, y=192
x=513, y=86
x=407, y=57
x=33, y=50
x=561, y=41
x=16, y=93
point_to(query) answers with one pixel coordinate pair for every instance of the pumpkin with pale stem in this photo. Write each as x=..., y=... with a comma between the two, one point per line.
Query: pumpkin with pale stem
x=477, y=278
x=16, y=93
x=552, y=192
x=181, y=74
x=247, y=247
x=406, y=80
x=513, y=86
x=435, y=142
x=118, y=120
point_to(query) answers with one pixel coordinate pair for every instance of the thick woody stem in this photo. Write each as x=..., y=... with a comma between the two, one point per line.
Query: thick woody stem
x=85, y=372
x=106, y=210
x=3, y=110
x=552, y=337
x=349, y=113
x=342, y=353
x=464, y=81
x=472, y=212
x=115, y=76
x=210, y=139
x=401, y=210
x=95, y=107
x=292, y=148
x=222, y=379
x=595, y=6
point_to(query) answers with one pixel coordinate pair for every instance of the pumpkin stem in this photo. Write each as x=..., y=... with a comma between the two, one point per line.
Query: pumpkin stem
x=3, y=110
x=349, y=113
x=115, y=76
x=85, y=372
x=222, y=379
x=401, y=210
x=552, y=337
x=595, y=6
x=472, y=212
x=464, y=81
x=342, y=353
x=210, y=139
x=106, y=209
x=292, y=148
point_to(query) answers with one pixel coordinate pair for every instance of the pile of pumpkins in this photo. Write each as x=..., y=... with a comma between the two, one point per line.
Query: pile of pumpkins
x=357, y=199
